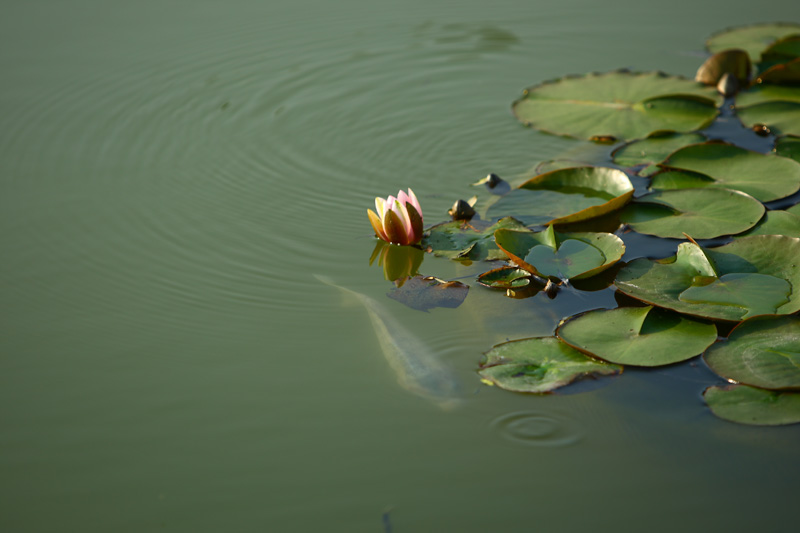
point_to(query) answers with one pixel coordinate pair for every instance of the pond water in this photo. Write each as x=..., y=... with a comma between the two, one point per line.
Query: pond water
x=176, y=173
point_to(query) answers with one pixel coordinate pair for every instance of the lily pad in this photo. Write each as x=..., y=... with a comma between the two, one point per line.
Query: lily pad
x=654, y=148
x=506, y=277
x=537, y=252
x=776, y=106
x=538, y=365
x=642, y=336
x=764, y=177
x=467, y=240
x=662, y=282
x=566, y=195
x=424, y=293
x=702, y=213
x=776, y=223
x=758, y=293
x=619, y=105
x=763, y=352
x=753, y=406
x=787, y=73
x=754, y=39
x=788, y=146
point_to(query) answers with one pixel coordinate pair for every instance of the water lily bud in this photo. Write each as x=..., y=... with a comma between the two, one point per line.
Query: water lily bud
x=397, y=220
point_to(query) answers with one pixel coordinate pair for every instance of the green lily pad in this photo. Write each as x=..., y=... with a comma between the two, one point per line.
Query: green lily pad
x=795, y=210
x=506, y=277
x=538, y=365
x=642, y=336
x=788, y=146
x=753, y=39
x=702, y=213
x=662, y=282
x=619, y=105
x=583, y=263
x=788, y=73
x=764, y=177
x=654, y=148
x=762, y=94
x=759, y=294
x=776, y=106
x=566, y=195
x=467, y=240
x=784, y=49
x=763, y=352
x=753, y=406
x=775, y=223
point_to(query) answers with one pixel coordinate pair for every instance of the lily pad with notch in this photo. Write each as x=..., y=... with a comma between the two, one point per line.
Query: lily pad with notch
x=754, y=39
x=566, y=195
x=703, y=213
x=654, y=149
x=753, y=406
x=558, y=255
x=506, y=277
x=725, y=166
x=470, y=240
x=763, y=352
x=664, y=283
x=619, y=105
x=538, y=365
x=641, y=336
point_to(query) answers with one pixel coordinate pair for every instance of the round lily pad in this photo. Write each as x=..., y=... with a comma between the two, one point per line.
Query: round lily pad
x=776, y=106
x=754, y=39
x=538, y=365
x=654, y=148
x=763, y=352
x=471, y=240
x=642, y=336
x=753, y=406
x=701, y=213
x=617, y=105
x=550, y=253
x=566, y=195
x=662, y=283
x=506, y=277
x=764, y=177
x=775, y=223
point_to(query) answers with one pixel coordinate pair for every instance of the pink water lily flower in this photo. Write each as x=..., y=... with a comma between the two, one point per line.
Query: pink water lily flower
x=398, y=220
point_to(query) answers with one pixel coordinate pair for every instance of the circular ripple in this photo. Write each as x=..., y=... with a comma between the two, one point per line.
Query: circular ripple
x=538, y=429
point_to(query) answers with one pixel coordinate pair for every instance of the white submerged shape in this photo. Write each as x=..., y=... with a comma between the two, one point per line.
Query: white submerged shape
x=418, y=369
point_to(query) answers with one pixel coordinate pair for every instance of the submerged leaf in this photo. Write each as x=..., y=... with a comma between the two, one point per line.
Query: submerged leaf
x=538, y=365
x=424, y=293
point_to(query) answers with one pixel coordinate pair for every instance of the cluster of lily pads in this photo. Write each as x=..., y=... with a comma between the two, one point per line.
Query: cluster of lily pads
x=563, y=226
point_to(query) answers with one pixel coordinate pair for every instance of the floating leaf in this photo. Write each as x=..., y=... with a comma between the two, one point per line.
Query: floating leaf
x=761, y=94
x=620, y=105
x=753, y=39
x=424, y=293
x=776, y=106
x=733, y=61
x=763, y=352
x=758, y=294
x=566, y=195
x=701, y=213
x=467, y=240
x=506, y=277
x=654, y=148
x=661, y=282
x=538, y=365
x=518, y=246
x=752, y=406
x=788, y=146
x=776, y=223
x=764, y=177
x=642, y=336
x=571, y=259
x=788, y=73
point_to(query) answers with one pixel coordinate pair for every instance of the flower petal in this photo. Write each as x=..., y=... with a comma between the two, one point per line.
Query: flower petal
x=393, y=226
x=415, y=202
x=416, y=224
x=377, y=225
x=402, y=212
